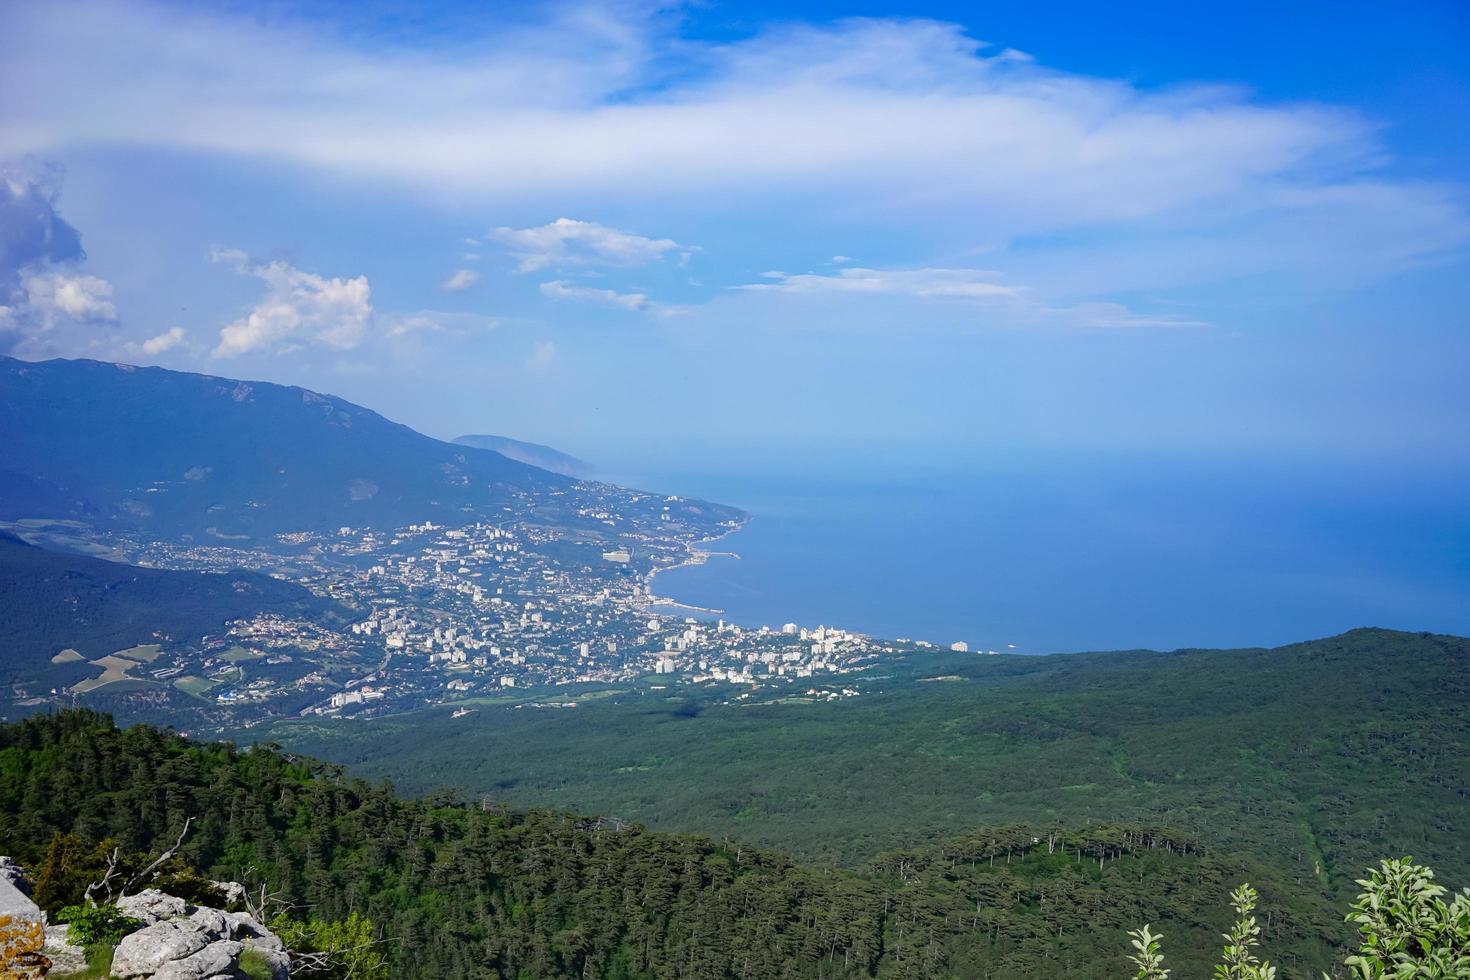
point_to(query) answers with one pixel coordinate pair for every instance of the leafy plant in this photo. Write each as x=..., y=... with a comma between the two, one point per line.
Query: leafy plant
x=1241, y=962
x=93, y=925
x=1408, y=930
x=1149, y=955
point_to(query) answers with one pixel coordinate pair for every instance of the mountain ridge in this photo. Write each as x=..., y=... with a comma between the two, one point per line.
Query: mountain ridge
x=198, y=457
x=530, y=453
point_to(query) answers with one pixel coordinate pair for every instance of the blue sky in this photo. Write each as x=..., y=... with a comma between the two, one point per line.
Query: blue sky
x=1136, y=226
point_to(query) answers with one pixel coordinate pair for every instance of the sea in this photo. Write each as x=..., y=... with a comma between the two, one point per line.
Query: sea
x=1045, y=552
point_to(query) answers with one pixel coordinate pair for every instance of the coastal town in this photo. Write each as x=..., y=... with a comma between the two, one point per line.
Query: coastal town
x=486, y=612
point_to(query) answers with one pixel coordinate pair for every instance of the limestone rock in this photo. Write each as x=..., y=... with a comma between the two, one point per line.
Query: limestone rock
x=145, y=952
x=204, y=944
x=65, y=958
x=22, y=934
x=233, y=891
x=152, y=906
x=217, y=960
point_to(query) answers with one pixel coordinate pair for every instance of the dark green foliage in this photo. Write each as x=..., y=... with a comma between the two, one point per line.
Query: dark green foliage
x=53, y=600
x=481, y=892
x=1319, y=757
x=94, y=925
x=70, y=864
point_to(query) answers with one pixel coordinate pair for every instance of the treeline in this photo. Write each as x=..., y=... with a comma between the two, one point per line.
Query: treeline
x=479, y=891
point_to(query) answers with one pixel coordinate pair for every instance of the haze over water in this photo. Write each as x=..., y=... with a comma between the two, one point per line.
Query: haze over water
x=1083, y=552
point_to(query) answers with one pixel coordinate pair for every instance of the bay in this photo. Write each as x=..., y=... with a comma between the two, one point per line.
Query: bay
x=1038, y=553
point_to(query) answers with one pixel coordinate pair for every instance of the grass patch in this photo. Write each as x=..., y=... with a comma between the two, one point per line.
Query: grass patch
x=142, y=653
x=254, y=965
x=195, y=686
x=68, y=656
x=237, y=654
x=99, y=965
x=114, y=669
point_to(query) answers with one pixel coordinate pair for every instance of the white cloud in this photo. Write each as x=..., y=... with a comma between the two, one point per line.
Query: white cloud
x=543, y=355
x=634, y=302
x=437, y=321
x=908, y=124
x=461, y=280
x=1004, y=303
x=923, y=283
x=166, y=341
x=298, y=307
x=56, y=297
x=567, y=241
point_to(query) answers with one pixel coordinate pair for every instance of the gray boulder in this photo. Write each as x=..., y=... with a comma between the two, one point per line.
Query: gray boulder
x=65, y=958
x=206, y=943
x=145, y=952
x=151, y=905
x=22, y=933
x=233, y=892
x=217, y=960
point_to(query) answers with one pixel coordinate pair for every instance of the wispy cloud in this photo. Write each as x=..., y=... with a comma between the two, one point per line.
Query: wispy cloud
x=567, y=241
x=436, y=321
x=954, y=283
x=610, y=103
x=543, y=356
x=1004, y=303
x=633, y=302
x=460, y=281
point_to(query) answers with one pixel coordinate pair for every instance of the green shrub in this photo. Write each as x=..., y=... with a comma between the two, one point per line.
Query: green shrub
x=255, y=966
x=94, y=925
x=1408, y=932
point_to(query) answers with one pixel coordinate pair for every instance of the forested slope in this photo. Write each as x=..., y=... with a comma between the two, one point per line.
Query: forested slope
x=1320, y=757
x=469, y=891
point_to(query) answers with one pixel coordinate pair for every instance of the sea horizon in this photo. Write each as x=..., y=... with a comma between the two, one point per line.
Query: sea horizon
x=1050, y=553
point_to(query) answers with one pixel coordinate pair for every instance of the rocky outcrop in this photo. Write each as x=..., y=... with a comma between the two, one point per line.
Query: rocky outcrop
x=178, y=941
x=182, y=942
x=22, y=928
x=65, y=958
x=151, y=905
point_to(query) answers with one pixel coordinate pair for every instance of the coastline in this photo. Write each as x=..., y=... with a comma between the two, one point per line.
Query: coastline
x=694, y=554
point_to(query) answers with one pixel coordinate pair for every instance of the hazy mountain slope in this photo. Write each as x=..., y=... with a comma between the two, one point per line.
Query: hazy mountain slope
x=529, y=453
x=188, y=455
x=50, y=601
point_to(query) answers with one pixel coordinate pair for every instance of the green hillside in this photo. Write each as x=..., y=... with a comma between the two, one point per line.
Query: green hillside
x=54, y=601
x=1319, y=757
x=479, y=891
